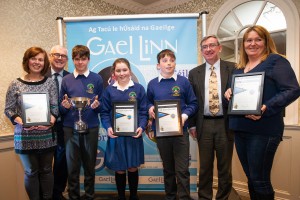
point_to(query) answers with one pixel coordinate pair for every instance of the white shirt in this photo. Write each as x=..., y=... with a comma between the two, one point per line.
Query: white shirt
x=116, y=84
x=86, y=73
x=174, y=76
x=59, y=77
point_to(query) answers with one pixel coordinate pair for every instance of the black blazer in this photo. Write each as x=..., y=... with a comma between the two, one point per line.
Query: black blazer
x=48, y=74
x=197, y=79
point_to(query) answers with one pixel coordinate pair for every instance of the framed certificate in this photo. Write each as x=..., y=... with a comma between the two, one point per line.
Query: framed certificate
x=168, y=118
x=247, y=92
x=125, y=118
x=35, y=109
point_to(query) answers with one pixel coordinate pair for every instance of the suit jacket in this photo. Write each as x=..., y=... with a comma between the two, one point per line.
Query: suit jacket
x=197, y=79
x=48, y=73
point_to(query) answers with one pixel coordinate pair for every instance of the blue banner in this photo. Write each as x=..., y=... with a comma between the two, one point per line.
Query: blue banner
x=138, y=40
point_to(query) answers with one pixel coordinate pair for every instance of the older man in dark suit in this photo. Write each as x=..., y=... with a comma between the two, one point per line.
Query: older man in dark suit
x=58, y=59
x=210, y=125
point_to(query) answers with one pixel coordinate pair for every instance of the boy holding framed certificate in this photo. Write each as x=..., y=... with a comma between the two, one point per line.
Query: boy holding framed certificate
x=165, y=94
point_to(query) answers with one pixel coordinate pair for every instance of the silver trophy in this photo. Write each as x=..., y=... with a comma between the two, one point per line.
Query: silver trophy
x=80, y=103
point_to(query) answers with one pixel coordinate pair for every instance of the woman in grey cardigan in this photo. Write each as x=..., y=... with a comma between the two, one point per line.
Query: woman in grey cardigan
x=34, y=144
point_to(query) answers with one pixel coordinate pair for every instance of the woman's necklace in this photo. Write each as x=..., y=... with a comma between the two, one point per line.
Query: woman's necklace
x=31, y=79
x=249, y=67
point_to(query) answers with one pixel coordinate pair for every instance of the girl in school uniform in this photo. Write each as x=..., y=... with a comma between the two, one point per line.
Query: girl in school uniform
x=124, y=153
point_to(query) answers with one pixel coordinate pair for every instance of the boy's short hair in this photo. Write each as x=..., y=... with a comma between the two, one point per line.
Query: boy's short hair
x=165, y=52
x=80, y=50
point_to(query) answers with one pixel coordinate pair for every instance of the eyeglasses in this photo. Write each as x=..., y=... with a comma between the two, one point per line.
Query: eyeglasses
x=211, y=46
x=58, y=55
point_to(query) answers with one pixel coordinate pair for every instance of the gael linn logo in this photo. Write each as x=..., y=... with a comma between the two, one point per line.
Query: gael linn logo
x=143, y=47
x=157, y=179
x=176, y=91
x=90, y=88
x=132, y=96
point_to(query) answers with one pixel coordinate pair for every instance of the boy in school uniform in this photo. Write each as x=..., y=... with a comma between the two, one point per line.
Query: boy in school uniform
x=81, y=148
x=174, y=150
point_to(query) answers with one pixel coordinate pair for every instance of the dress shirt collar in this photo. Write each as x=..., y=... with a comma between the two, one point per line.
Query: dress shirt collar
x=216, y=65
x=160, y=77
x=116, y=84
x=86, y=73
x=61, y=73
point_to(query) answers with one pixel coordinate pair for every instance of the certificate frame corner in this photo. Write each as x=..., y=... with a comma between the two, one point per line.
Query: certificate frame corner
x=159, y=133
x=44, y=102
x=232, y=106
x=135, y=112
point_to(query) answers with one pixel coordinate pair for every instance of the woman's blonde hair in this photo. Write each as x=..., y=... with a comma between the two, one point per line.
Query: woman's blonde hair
x=270, y=46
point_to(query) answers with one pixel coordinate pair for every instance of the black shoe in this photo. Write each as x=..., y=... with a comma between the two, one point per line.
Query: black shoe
x=134, y=198
x=59, y=197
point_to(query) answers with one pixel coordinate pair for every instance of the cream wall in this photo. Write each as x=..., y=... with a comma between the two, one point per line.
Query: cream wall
x=32, y=23
x=26, y=23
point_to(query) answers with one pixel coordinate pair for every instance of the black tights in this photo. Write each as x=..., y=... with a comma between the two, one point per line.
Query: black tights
x=133, y=180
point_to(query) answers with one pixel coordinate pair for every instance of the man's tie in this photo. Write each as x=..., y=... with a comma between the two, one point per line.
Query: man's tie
x=213, y=92
x=56, y=82
x=57, y=86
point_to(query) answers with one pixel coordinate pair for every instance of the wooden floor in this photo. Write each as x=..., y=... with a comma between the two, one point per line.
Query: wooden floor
x=157, y=196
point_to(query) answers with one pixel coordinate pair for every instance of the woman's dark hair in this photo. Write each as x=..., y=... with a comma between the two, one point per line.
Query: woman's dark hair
x=120, y=60
x=32, y=52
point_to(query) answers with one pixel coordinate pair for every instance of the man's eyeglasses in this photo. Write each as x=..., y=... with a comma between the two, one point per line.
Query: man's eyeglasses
x=211, y=46
x=58, y=55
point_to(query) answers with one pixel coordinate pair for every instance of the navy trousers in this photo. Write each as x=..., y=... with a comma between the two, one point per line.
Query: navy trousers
x=256, y=154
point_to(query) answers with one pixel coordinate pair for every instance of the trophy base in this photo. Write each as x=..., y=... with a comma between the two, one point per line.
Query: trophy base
x=81, y=131
x=80, y=127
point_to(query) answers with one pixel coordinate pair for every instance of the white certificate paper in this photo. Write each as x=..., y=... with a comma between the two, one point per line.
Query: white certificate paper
x=35, y=108
x=247, y=92
x=168, y=118
x=124, y=119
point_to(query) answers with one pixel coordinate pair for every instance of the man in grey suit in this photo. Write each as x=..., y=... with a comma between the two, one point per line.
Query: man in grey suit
x=211, y=127
x=58, y=58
